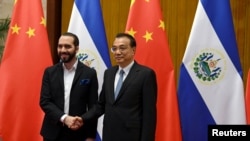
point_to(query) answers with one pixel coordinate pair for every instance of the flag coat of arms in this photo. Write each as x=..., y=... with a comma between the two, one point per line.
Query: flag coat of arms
x=210, y=89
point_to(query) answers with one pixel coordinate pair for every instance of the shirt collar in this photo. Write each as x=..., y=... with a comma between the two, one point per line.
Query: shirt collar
x=73, y=67
x=127, y=68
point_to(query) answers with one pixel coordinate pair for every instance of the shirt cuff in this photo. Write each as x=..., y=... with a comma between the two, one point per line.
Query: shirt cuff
x=63, y=117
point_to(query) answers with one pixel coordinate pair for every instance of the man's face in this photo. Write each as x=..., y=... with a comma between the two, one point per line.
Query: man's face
x=66, y=49
x=123, y=52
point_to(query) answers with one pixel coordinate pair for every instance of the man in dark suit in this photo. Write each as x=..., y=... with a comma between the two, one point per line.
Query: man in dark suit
x=69, y=89
x=131, y=115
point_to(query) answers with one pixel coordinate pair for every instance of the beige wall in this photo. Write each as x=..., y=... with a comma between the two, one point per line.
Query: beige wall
x=6, y=7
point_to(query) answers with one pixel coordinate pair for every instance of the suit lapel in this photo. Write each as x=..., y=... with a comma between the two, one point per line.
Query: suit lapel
x=131, y=76
x=60, y=75
x=111, y=79
x=79, y=70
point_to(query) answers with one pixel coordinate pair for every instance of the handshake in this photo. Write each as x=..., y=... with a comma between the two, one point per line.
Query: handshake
x=74, y=123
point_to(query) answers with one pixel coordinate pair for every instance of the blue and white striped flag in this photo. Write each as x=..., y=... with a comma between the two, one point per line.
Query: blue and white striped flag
x=87, y=23
x=210, y=87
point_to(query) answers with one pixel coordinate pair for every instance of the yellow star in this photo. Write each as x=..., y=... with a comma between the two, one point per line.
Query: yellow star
x=147, y=0
x=31, y=32
x=43, y=21
x=131, y=32
x=148, y=36
x=15, y=29
x=15, y=1
x=162, y=25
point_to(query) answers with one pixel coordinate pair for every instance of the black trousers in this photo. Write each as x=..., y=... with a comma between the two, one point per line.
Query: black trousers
x=67, y=134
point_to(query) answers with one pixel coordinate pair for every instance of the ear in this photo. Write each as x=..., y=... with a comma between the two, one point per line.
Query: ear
x=134, y=49
x=77, y=48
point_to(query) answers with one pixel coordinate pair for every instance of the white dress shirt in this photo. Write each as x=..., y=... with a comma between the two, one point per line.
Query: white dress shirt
x=126, y=71
x=68, y=75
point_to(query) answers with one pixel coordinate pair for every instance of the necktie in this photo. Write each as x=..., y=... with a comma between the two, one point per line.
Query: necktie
x=119, y=84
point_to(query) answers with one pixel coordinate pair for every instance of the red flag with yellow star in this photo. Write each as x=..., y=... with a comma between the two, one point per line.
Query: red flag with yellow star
x=248, y=97
x=25, y=57
x=145, y=23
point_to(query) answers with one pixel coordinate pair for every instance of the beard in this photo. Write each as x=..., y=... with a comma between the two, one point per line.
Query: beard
x=66, y=57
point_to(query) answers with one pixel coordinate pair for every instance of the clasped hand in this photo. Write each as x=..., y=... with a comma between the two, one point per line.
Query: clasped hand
x=73, y=123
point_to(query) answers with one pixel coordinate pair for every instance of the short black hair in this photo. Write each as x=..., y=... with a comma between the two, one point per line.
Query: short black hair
x=76, y=40
x=130, y=37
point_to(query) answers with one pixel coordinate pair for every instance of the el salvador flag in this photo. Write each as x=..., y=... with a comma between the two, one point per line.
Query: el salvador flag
x=87, y=23
x=210, y=89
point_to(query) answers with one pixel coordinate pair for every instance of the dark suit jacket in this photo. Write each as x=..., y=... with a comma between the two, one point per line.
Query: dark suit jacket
x=132, y=116
x=83, y=95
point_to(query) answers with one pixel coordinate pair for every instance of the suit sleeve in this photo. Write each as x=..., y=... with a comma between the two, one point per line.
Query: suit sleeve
x=98, y=108
x=46, y=99
x=149, y=107
x=92, y=99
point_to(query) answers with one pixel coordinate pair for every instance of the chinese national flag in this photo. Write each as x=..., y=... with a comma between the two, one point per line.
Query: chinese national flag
x=25, y=57
x=248, y=97
x=145, y=23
